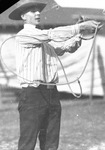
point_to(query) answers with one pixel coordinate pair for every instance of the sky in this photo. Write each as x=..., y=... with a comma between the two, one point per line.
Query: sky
x=97, y=4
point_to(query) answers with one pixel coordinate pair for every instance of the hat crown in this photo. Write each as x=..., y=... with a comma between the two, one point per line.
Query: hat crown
x=22, y=2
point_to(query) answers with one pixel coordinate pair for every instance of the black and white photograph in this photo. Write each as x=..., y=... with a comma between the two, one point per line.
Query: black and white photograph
x=52, y=75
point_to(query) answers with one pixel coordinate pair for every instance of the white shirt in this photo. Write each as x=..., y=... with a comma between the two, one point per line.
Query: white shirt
x=36, y=57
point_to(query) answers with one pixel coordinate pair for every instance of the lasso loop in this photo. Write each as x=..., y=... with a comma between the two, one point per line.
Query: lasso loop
x=67, y=81
x=77, y=80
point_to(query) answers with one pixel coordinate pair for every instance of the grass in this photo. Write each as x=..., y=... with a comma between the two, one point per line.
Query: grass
x=82, y=126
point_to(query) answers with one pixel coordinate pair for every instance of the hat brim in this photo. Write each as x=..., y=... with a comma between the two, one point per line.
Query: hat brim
x=16, y=14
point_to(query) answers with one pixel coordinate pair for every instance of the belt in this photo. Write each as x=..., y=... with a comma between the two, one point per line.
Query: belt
x=50, y=86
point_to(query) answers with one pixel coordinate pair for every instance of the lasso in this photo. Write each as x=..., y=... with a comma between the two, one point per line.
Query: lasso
x=67, y=81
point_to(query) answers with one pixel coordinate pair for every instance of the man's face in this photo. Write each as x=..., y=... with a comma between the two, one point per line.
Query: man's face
x=32, y=16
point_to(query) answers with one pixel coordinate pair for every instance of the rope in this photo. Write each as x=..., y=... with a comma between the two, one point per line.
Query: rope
x=67, y=81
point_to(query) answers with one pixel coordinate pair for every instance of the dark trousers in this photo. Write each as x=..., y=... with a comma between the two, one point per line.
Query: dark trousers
x=40, y=113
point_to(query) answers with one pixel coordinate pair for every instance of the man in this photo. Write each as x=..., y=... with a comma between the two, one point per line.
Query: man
x=39, y=105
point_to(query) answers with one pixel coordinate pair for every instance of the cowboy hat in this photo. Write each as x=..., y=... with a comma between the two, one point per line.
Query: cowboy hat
x=24, y=5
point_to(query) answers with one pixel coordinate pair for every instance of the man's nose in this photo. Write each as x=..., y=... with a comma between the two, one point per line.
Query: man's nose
x=37, y=13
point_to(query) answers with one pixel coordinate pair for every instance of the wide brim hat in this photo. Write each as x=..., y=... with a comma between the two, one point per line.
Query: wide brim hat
x=24, y=6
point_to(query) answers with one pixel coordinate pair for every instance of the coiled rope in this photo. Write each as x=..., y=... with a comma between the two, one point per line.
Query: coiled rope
x=67, y=81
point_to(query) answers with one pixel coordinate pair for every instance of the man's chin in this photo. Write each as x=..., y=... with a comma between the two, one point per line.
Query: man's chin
x=37, y=23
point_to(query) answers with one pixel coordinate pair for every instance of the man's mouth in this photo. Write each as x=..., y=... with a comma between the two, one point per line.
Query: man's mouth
x=37, y=18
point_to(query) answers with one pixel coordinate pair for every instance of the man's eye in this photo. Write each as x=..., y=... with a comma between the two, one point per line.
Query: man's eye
x=33, y=11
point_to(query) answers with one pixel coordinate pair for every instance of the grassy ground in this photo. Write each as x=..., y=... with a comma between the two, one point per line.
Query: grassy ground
x=82, y=126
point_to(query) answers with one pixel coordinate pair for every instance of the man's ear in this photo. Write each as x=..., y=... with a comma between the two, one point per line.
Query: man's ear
x=23, y=17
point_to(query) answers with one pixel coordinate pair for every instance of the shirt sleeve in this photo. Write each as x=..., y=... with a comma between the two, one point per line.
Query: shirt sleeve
x=64, y=32
x=31, y=37
x=64, y=38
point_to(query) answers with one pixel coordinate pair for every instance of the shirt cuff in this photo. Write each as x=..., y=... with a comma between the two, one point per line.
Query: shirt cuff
x=77, y=28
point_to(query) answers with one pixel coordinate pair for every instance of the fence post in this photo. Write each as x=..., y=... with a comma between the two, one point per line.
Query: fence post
x=92, y=74
x=0, y=96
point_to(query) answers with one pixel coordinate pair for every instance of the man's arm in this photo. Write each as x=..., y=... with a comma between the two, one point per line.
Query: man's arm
x=67, y=38
x=70, y=45
x=64, y=32
x=59, y=34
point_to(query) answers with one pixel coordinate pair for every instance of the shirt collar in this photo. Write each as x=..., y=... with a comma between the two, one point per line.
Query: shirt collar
x=29, y=26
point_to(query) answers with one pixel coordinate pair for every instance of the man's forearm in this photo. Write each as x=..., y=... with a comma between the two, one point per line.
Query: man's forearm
x=64, y=32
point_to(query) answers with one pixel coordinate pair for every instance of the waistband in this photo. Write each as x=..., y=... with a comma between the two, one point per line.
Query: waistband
x=50, y=86
x=41, y=86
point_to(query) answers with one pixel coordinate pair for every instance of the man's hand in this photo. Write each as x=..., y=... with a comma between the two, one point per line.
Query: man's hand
x=72, y=44
x=89, y=26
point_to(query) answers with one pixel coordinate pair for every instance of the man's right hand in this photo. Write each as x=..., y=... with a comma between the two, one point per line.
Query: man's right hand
x=90, y=26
